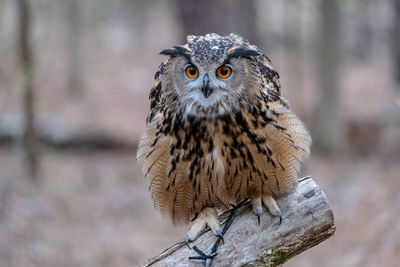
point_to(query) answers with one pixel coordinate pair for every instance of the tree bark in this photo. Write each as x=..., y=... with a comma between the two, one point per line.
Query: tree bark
x=25, y=52
x=307, y=221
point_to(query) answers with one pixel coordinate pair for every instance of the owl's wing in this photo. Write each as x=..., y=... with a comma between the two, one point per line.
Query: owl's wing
x=286, y=135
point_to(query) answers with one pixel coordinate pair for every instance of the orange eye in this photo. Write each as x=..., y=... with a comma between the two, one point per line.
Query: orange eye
x=224, y=71
x=191, y=71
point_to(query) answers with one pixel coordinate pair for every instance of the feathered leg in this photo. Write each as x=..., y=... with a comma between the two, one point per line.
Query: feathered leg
x=208, y=216
x=208, y=258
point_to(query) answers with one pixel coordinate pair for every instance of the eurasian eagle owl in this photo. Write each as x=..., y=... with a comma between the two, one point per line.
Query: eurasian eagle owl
x=219, y=131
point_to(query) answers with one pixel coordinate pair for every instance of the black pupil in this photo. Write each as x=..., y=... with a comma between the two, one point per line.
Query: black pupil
x=224, y=71
x=192, y=71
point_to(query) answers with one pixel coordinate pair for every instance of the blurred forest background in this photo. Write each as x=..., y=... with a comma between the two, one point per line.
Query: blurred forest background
x=74, y=83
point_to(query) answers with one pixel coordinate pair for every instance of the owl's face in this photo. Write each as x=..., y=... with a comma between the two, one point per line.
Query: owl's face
x=208, y=84
x=211, y=72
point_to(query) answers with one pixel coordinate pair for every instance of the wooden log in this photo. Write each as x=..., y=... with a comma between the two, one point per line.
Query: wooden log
x=307, y=221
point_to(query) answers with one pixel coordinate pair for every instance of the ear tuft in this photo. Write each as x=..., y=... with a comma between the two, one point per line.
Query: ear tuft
x=243, y=52
x=168, y=52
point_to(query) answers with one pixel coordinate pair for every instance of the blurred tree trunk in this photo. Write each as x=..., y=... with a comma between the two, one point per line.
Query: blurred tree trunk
x=74, y=46
x=25, y=53
x=364, y=32
x=219, y=16
x=245, y=20
x=293, y=38
x=329, y=125
x=396, y=42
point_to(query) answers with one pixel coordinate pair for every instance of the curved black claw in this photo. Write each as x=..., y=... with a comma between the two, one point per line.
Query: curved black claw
x=219, y=233
x=278, y=211
x=187, y=241
x=258, y=217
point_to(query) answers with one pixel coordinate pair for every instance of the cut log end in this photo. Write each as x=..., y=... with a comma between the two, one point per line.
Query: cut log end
x=307, y=221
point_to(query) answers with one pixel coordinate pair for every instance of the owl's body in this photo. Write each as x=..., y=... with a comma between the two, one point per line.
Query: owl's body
x=212, y=140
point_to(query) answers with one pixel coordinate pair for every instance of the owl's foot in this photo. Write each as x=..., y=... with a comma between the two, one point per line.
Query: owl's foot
x=208, y=258
x=208, y=216
x=271, y=205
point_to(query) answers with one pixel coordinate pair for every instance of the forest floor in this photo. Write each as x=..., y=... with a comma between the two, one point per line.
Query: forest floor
x=93, y=209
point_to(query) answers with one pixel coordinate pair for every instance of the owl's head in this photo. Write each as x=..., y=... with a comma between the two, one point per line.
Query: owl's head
x=212, y=74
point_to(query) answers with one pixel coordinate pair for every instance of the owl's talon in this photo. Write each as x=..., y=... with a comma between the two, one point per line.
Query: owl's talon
x=257, y=208
x=187, y=241
x=278, y=211
x=273, y=208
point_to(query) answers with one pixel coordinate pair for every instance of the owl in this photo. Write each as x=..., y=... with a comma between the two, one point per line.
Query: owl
x=219, y=131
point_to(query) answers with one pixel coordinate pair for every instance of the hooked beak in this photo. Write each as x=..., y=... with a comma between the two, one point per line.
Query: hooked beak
x=206, y=89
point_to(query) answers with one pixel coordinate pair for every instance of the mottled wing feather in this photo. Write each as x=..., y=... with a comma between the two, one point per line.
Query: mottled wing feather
x=265, y=160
